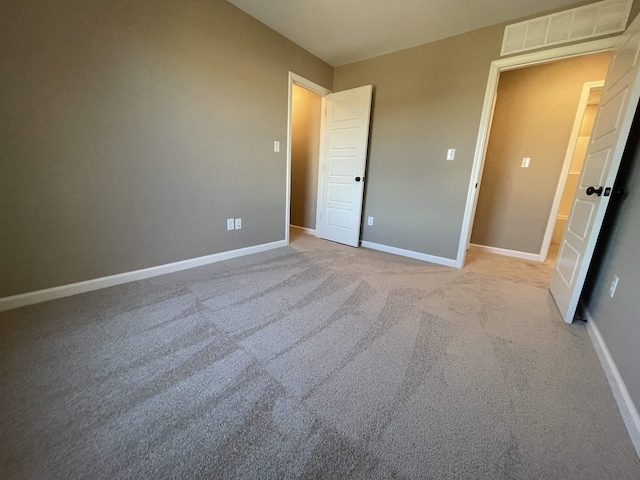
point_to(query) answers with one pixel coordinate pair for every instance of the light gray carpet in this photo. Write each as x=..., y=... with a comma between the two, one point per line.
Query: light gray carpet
x=311, y=361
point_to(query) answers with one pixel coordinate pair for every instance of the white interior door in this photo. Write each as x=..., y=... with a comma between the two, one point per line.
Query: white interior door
x=344, y=156
x=616, y=111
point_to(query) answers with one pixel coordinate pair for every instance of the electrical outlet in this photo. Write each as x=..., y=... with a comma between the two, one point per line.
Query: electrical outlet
x=614, y=285
x=229, y=223
x=451, y=154
x=238, y=223
x=525, y=162
x=276, y=146
x=370, y=221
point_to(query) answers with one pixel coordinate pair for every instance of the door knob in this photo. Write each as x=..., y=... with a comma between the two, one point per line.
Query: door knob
x=357, y=179
x=592, y=190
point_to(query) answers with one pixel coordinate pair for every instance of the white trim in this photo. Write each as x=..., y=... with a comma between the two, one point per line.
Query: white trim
x=8, y=303
x=625, y=403
x=310, y=231
x=447, y=262
x=503, y=251
x=295, y=79
x=496, y=67
x=308, y=84
x=564, y=173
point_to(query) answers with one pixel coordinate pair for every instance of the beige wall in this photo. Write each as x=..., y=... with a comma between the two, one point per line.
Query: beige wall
x=131, y=131
x=534, y=114
x=426, y=99
x=305, y=147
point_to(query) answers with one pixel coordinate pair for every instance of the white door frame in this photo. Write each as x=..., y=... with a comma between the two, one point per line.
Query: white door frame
x=503, y=65
x=295, y=79
x=564, y=174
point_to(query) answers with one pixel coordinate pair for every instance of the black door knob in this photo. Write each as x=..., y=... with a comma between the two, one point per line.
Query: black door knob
x=592, y=190
x=357, y=179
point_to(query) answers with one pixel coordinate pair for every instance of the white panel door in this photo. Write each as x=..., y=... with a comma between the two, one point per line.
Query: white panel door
x=616, y=111
x=345, y=141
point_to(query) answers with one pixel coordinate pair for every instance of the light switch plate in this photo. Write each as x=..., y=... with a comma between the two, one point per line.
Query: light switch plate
x=525, y=162
x=370, y=221
x=238, y=223
x=451, y=154
x=276, y=146
x=229, y=223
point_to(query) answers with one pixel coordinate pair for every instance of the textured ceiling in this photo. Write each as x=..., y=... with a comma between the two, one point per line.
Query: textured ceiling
x=345, y=31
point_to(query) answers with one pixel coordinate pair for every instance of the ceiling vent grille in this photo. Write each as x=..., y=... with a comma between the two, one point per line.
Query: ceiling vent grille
x=594, y=20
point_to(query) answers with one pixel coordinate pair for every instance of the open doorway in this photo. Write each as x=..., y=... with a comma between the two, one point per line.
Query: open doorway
x=306, y=113
x=305, y=124
x=525, y=161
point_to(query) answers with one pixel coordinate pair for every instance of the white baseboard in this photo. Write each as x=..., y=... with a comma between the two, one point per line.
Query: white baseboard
x=8, y=303
x=310, y=231
x=507, y=253
x=447, y=262
x=625, y=403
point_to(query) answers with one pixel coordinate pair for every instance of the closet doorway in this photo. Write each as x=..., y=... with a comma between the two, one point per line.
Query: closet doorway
x=306, y=105
x=306, y=111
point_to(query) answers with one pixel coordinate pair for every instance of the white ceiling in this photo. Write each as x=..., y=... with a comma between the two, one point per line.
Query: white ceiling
x=345, y=31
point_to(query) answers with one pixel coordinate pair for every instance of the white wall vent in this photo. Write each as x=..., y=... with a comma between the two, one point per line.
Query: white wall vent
x=594, y=20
